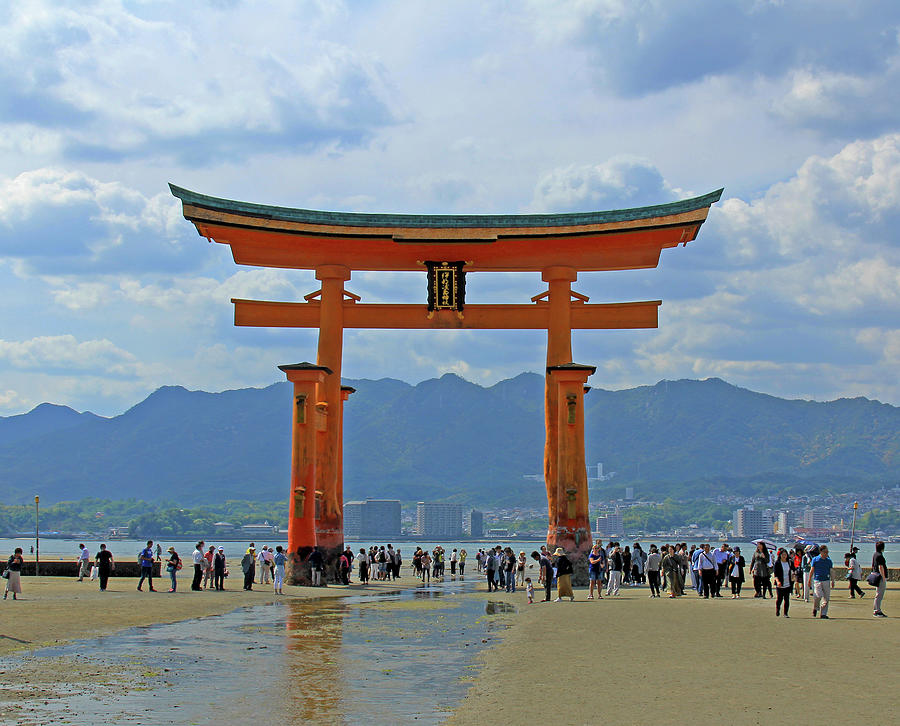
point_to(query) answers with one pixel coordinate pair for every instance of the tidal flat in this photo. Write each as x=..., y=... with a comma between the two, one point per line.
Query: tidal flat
x=392, y=656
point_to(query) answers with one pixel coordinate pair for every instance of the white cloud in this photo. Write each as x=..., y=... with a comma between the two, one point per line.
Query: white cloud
x=65, y=222
x=211, y=85
x=617, y=183
x=65, y=354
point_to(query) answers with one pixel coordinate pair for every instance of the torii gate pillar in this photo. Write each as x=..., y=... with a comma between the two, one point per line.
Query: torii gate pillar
x=308, y=421
x=571, y=529
x=330, y=522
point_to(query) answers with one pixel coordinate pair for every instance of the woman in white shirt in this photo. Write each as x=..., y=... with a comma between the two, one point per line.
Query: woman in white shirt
x=854, y=574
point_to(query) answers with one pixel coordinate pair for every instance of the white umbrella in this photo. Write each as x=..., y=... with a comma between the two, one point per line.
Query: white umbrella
x=770, y=545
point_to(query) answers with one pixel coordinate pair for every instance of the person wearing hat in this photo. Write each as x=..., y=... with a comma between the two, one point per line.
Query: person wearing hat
x=248, y=565
x=173, y=564
x=219, y=570
x=563, y=575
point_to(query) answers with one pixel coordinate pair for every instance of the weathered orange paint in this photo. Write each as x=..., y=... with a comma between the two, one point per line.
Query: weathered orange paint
x=571, y=528
x=602, y=316
x=307, y=421
x=622, y=250
x=330, y=526
x=334, y=244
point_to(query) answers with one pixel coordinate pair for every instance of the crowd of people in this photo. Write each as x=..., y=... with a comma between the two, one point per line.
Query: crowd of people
x=801, y=573
x=804, y=573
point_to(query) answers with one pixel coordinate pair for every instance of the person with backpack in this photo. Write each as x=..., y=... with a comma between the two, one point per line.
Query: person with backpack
x=490, y=568
x=173, y=564
x=248, y=566
x=854, y=573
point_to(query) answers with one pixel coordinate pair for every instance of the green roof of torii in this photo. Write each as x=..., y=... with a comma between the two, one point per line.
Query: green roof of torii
x=354, y=219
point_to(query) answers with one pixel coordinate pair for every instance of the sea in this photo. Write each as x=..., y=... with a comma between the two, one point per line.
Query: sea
x=67, y=549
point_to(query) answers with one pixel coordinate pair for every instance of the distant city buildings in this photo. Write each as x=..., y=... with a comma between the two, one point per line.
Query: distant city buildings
x=475, y=523
x=610, y=524
x=751, y=524
x=372, y=518
x=814, y=518
x=629, y=493
x=439, y=520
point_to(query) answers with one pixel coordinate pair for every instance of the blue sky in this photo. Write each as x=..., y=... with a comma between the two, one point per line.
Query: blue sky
x=792, y=288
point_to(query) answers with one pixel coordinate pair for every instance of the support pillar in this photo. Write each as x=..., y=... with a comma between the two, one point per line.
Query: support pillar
x=330, y=525
x=559, y=351
x=307, y=421
x=572, y=529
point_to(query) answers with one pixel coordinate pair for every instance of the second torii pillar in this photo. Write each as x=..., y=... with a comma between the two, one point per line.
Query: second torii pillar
x=572, y=529
x=308, y=422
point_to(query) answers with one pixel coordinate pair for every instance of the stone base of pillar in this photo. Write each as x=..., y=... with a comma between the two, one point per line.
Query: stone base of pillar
x=296, y=568
x=332, y=555
x=577, y=546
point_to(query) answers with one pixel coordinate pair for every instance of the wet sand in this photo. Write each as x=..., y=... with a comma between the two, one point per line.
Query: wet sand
x=625, y=660
x=53, y=610
x=633, y=660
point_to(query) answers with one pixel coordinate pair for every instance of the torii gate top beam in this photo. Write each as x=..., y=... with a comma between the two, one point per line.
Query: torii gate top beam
x=618, y=239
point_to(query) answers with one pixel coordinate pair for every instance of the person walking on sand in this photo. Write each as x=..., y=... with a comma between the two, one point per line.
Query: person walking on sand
x=671, y=565
x=782, y=573
x=615, y=571
x=145, y=559
x=280, y=561
x=490, y=569
x=654, y=560
x=462, y=562
x=879, y=565
x=105, y=565
x=595, y=572
x=520, y=568
x=563, y=576
x=84, y=561
x=13, y=574
x=822, y=582
x=759, y=568
x=316, y=566
x=854, y=573
x=173, y=564
x=426, y=567
x=736, y=573
x=545, y=568
x=806, y=567
x=248, y=566
x=219, y=569
x=199, y=561
x=708, y=570
x=209, y=556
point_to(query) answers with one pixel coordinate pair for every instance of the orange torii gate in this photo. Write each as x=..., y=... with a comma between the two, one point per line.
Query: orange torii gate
x=334, y=244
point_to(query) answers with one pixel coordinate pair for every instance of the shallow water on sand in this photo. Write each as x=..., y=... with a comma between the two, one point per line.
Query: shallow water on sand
x=400, y=657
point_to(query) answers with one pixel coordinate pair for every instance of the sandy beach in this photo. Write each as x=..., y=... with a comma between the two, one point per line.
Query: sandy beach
x=633, y=660
x=624, y=660
x=53, y=610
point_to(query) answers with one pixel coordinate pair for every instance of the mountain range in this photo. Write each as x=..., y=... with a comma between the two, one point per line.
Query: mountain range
x=447, y=439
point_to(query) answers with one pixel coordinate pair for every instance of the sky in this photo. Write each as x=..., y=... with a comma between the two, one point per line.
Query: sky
x=792, y=287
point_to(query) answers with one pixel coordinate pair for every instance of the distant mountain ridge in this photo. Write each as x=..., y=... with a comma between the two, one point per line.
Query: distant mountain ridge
x=449, y=439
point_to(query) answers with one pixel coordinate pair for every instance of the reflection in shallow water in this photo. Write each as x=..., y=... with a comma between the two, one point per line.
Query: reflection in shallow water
x=398, y=657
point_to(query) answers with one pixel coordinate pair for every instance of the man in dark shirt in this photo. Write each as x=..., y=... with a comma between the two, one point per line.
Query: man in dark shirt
x=546, y=566
x=316, y=565
x=105, y=564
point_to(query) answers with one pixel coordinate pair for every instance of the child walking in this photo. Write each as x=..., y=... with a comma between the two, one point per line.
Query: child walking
x=529, y=590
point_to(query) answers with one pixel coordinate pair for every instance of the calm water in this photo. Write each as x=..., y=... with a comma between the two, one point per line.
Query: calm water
x=392, y=658
x=60, y=549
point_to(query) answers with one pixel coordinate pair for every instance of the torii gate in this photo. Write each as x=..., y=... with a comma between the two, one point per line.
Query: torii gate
x=334, y=244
